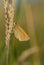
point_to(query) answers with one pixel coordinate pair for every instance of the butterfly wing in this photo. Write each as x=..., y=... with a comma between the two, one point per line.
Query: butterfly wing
x=20, y=34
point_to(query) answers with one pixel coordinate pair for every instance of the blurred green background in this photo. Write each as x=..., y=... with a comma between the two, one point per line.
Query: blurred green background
x=17, y=47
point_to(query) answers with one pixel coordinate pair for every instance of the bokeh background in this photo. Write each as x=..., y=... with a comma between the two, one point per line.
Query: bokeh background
x=30, y=15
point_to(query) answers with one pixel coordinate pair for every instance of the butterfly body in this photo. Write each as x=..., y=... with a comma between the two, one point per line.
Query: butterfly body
x=19, y=33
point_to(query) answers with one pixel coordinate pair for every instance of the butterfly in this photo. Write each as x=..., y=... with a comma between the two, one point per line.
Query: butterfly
x=19, y=33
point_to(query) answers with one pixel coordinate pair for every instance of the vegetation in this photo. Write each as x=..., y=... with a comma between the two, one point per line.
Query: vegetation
x=36, y=36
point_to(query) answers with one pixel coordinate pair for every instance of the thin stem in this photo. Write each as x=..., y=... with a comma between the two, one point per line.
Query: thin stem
x=7, y=54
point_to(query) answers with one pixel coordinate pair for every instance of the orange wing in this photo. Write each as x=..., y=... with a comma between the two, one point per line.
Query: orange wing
x=20, y=34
